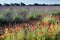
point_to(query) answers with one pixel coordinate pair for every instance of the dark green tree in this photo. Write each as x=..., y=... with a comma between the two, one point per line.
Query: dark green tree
x=22, y=4
x=0, y=4
x=6, y=4
x=11, y=4
x=16, y=4
x=36, y=4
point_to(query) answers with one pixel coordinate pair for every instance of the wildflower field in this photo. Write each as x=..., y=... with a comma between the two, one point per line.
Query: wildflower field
x=18, y=25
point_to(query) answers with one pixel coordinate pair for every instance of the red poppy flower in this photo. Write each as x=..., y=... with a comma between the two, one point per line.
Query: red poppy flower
x=4, y=36
x=57, y=17
x=47, y=23
x=50, y=34
x=52, y=26
x=42, y=26
x=18, y=28
x=42, y=33
x=11, y=29
x=51, y=16
x=33, y=27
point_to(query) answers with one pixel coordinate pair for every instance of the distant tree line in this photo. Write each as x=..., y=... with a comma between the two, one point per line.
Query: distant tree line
x=23, y=4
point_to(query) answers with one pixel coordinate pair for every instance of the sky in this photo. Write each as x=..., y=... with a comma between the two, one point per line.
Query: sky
x=31, y=1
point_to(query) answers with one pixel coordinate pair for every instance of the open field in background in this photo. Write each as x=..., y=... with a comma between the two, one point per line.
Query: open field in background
x=8, y=11
x=30, y=23
x=42, y=9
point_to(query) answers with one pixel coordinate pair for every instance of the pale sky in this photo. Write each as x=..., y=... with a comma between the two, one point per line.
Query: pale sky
x=31, y=1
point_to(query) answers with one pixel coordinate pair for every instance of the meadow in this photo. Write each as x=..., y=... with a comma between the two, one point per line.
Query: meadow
x=30, y=23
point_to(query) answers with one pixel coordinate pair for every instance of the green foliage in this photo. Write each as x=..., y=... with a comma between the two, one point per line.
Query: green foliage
x=33, y=15
x=18, y=15
x=2, y=17
x=23, y=10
